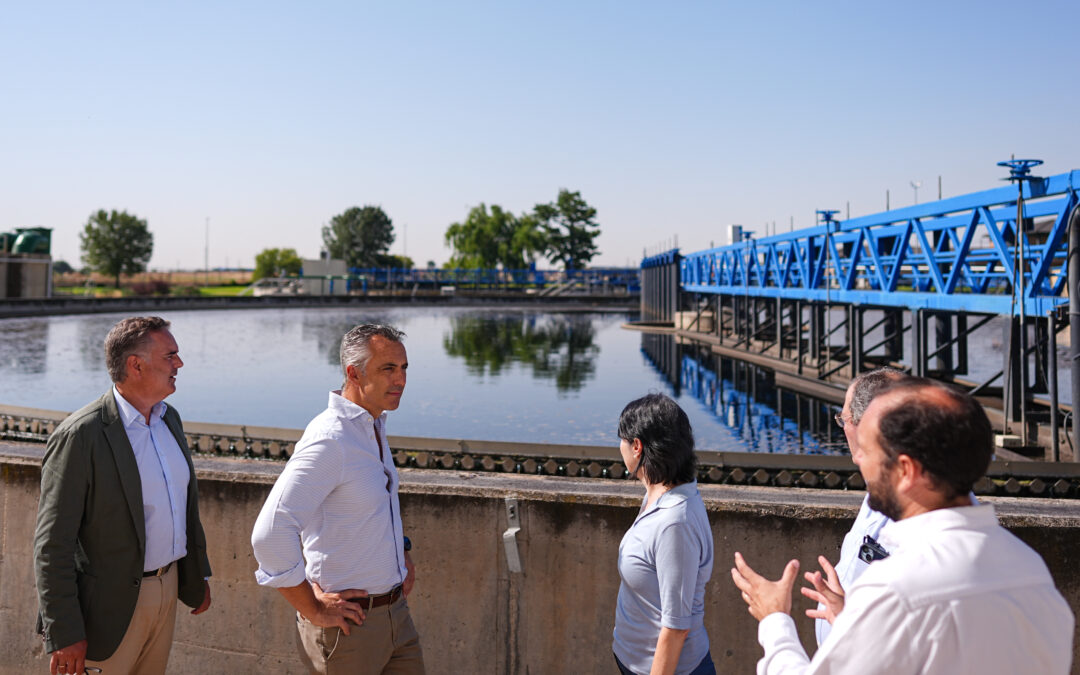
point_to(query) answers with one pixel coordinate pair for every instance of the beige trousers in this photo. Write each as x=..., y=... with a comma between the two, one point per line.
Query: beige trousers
x=146, y=644
x=386, y=644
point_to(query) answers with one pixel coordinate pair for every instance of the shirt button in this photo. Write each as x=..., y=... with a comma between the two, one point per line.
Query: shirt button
x=136, y=581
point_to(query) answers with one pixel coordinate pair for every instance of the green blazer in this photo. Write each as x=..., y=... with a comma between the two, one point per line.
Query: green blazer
x=90, y=540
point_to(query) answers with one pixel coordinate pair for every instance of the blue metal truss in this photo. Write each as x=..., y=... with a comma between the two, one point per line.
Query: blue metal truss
x=956, y=254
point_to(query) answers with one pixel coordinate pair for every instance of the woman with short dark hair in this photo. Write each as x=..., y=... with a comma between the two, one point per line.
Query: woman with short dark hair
x=666, y=557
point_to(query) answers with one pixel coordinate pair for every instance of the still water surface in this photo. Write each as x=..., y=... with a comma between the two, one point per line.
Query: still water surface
x=522, y=376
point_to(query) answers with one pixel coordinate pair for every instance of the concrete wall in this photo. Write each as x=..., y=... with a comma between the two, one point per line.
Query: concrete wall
x=473, y=614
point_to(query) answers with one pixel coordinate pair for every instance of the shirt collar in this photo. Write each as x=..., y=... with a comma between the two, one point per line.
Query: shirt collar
x=673, y=497
x=677, y=495
x=349, y=410
x=129, y=415
x=896, y=534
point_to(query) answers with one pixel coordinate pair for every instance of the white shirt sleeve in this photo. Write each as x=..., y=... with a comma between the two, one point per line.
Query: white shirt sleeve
x=295, y=500
x=872, y=616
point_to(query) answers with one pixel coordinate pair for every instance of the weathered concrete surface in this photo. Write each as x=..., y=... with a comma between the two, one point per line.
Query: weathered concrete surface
x=474, y=616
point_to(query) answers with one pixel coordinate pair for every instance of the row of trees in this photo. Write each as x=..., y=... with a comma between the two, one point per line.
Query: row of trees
x=116, y=243
x=563, y=231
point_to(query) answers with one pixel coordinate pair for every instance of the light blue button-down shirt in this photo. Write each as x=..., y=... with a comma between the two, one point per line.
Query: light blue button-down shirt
x=164, y=474
x=665, y=560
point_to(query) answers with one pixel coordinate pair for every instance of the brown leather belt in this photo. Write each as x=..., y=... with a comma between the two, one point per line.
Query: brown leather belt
x=158, y=572
x=373, y=601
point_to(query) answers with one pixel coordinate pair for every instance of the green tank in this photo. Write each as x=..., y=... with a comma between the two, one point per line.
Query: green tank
x=33, y=240
x=7, y=241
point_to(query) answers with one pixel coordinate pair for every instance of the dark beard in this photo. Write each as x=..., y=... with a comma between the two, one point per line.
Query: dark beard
x=883, y=500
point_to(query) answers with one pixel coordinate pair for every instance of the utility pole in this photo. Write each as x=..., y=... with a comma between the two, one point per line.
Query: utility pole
x=915, y=185
x=206, y=254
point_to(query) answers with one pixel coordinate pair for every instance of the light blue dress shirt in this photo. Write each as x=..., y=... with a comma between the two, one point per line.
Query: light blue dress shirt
x=164, y=473
x=665, y=560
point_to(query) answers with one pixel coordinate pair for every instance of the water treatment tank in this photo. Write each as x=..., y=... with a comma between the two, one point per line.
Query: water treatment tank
x=33, y=240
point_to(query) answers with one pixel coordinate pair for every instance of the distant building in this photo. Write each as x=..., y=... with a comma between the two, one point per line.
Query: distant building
x=325, y=276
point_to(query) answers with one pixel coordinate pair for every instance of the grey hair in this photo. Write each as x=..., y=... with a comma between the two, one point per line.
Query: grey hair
x=126, y=338
x=356, y=345
x=868, y=385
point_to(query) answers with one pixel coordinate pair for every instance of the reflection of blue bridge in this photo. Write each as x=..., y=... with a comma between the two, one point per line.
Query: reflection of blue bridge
x=761, y=415
x=905, y=287
x=757, y=417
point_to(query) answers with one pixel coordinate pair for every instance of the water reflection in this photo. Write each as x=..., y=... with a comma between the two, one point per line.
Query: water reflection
x=327, y=331
x=90, y=336
x=554, y=347
x=26, y=351
x=745, y=399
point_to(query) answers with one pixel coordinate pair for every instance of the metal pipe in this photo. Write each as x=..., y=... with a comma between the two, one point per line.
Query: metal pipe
x=1052, y=381
x=1023, y=313
x=1074, y=320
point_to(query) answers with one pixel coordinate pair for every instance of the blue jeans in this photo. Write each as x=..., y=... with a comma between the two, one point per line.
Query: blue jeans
x=706, y=666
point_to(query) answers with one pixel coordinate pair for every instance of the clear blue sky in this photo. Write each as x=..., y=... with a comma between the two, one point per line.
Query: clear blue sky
x=670, y=118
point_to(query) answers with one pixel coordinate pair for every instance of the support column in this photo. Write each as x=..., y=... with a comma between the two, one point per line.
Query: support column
x=1012, y=394
x=855, y=346
x=943, y=361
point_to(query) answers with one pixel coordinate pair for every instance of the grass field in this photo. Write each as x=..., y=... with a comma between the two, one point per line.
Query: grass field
x=125, y=292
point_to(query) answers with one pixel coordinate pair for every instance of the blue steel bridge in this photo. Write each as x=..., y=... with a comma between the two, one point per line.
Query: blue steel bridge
x=905, y=287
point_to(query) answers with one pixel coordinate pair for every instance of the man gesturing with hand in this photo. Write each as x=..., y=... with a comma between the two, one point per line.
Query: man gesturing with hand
x=329, y=536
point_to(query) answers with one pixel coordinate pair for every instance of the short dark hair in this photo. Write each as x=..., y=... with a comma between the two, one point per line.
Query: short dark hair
x=128, y=337
x=868, y=385
x=667, y=441
x=943, y=428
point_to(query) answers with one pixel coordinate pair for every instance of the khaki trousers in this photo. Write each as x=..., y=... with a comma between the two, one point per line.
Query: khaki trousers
x=386, y=644
x=146, y=644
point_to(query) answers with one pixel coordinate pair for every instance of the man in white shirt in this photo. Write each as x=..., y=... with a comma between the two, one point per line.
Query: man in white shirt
x=958, y=593
x=868, y=522
x=118, y=536
x=329, y=536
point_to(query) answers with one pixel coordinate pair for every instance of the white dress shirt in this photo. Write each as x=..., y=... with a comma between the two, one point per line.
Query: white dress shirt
x=958, y=594
x=336, y=505
x=164, y=474
x=850, y=567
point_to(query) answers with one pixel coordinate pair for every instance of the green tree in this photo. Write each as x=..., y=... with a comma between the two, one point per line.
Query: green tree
x=489, y=238
x=571, y=229
x=556, y=348
x=359, y=236
x=115, y=243
x=399, y=261
x=271, y=262
x=62, y=267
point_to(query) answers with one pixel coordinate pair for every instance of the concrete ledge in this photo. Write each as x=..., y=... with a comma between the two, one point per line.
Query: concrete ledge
x=19, y=307
x=474, y=615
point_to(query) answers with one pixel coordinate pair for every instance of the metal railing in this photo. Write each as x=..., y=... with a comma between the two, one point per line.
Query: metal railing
x=959, y=254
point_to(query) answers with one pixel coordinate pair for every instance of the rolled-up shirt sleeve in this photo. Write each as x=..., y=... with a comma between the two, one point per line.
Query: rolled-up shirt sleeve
x=677, y=559
x=296, y=499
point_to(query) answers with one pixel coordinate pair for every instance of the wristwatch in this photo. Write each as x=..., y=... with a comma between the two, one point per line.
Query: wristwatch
x=408, y=544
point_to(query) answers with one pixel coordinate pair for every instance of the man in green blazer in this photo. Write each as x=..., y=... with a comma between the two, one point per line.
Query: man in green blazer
x=118, y=535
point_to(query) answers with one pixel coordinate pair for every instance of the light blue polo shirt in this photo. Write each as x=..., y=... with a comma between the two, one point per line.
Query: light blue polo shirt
x=665, y=560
